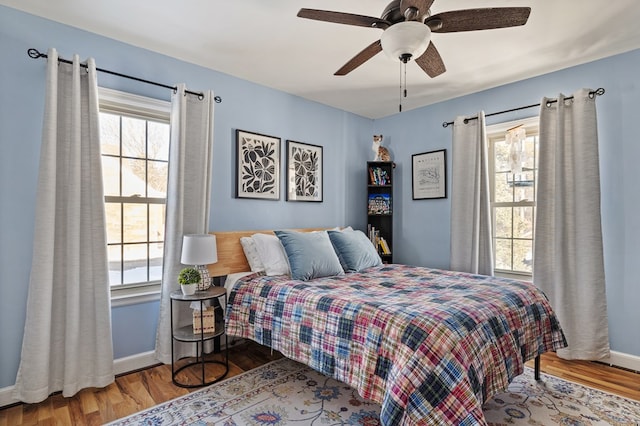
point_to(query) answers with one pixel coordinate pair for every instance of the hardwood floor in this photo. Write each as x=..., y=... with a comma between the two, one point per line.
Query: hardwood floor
x=593, y=374
x=139, y=390
x=130, y=393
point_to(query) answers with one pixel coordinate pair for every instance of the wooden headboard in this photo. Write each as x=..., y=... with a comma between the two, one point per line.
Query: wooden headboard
x=231, y=258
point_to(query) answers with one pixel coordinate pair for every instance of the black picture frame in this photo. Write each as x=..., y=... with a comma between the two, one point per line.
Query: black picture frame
x=429, y=175
x=257, y=166
x=304, y=172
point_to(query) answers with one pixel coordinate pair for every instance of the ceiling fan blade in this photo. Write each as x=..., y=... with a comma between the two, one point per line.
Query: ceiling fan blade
x=422, y=7
x=431, y=61
x=363, y=56
x=343, y=18
x=478, y=19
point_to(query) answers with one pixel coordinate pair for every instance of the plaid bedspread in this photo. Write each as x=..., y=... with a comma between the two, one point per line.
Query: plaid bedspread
x=429, y=345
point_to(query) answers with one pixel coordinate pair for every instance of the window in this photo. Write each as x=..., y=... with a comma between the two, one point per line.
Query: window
x=513, y=175
x=134, y=137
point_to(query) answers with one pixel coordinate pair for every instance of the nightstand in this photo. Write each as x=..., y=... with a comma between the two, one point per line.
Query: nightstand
x=218, y=298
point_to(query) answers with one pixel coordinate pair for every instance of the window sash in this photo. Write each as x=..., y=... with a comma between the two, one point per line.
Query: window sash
x=150, y=110
x=495, y=134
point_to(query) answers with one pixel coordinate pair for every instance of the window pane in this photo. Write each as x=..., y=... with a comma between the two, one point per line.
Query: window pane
x=503, y=254
x=111, y=175
x=135, y=223
x=523, y=255
x=158, y=140
x=155, y=261
x=523, y=222
x=158, y=172
x=501, y=156
x=115, y=264
x=133, y=137
x=110, y=134
x=503, y=191
x=156, y=222
x=530, y=152
x=114, y=222
x=133, y=178
x=503, y=222
x=524, y=188
x=135, y=263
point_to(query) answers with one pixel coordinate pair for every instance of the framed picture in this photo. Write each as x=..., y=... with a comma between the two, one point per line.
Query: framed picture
x=429, y=175
x=304, y=172
x=257, y=166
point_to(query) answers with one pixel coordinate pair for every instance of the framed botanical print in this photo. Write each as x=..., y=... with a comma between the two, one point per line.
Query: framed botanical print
x=429, y=175
x=257, y=166
x=304, y=172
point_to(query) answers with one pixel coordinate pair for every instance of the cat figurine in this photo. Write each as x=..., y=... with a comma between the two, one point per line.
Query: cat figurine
x=382, y=153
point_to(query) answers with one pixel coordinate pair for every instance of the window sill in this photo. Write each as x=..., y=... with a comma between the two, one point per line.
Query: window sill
x=135, y=295
x=514, y=275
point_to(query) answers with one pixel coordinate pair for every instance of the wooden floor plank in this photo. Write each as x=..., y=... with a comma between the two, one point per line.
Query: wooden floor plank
x=62, y=416
x=11, y=416
x=143, y=389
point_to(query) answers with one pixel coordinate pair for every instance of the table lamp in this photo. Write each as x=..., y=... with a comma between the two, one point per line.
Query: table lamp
x=200, y=250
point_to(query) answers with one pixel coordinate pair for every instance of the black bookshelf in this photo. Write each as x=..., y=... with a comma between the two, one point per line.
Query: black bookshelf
x=380, y=207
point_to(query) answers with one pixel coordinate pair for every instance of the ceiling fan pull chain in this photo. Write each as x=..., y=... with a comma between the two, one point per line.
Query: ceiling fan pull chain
x=403, y=82
x=405, y=79
x=400, y=104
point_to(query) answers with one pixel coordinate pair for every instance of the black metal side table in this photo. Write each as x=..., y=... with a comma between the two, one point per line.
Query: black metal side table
x=187, y=334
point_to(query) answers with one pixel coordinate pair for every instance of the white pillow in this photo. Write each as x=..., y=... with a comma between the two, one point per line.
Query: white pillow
x=251, y=253
x=271, y=254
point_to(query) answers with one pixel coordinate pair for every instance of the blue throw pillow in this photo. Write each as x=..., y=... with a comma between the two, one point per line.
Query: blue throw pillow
x=355, y=250
x=310, y=254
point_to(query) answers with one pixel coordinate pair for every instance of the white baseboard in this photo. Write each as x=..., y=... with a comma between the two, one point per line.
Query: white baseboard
x=623, y=360
x=134, y=362
x=120, y=366
x=5, y=396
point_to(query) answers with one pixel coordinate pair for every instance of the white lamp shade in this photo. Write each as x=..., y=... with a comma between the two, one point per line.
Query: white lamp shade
x=199, y=249
x=410, y=37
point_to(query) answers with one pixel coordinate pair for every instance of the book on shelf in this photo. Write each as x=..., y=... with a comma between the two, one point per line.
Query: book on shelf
x=384, y=246
x=378, y=242
x=373, y=235
x=379, y=204
x=379, y=176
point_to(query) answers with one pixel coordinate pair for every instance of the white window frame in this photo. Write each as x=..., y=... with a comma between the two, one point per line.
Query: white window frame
x=494, y=132
x=123, y=103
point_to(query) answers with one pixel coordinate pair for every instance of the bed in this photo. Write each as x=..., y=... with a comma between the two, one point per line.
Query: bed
x=429, y=345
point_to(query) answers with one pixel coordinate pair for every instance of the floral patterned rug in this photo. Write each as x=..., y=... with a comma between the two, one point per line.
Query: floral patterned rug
x=286, y=392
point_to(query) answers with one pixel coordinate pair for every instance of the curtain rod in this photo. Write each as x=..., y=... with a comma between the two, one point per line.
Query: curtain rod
x=598, y=92
x=35, y=54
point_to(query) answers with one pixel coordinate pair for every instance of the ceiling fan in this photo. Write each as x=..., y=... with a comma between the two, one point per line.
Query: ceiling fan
x=408, y=24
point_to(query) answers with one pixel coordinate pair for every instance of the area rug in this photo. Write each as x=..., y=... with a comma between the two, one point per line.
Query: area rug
x=285, y=392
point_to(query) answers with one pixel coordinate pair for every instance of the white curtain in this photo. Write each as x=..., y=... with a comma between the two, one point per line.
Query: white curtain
x=568, y=259
x=471, y=241
x=188, y=204
x=67, y=336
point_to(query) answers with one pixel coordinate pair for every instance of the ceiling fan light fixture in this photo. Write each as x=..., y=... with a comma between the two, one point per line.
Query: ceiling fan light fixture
x=405, y=38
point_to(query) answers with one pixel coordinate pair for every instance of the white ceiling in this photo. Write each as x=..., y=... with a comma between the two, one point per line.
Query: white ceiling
x=264, y=42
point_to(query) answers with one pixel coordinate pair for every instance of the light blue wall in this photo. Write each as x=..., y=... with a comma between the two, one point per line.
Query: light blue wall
x=421, y=227
x=245, y=106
